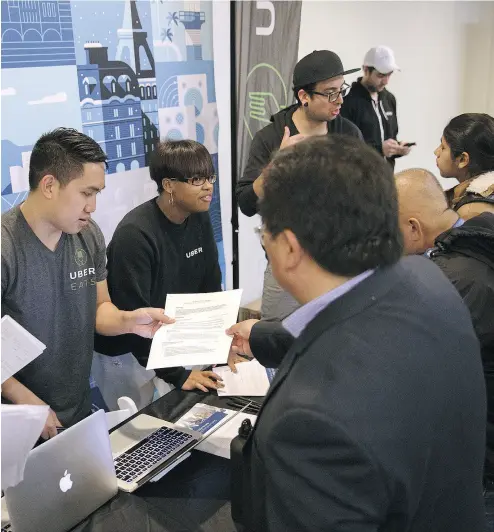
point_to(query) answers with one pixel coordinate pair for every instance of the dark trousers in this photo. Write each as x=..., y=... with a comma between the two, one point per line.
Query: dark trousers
x=489, y=505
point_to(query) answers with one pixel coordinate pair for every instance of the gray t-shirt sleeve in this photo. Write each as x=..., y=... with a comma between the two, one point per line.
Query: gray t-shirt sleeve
x=7, y=261
x=100, y=252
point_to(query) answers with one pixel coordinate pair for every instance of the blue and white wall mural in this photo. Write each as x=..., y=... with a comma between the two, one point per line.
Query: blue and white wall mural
x=125, y=72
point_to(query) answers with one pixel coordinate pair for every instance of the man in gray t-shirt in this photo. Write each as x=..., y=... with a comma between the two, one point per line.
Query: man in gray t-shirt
x=54, y=277
x=57, y=306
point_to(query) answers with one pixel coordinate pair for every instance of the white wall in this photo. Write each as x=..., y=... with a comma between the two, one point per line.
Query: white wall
x=222, y=83
x=434, y=43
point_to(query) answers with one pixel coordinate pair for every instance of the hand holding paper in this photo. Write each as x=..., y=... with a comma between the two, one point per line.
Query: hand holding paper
x=198, y=335
x=241, y=335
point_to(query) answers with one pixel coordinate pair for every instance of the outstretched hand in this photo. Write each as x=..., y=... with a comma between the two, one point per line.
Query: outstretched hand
x=241, y=334
x=146, y=321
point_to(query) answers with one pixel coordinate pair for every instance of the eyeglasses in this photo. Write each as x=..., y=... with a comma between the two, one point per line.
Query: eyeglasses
x=197, y=181
x=333, y=96
x=259, y=231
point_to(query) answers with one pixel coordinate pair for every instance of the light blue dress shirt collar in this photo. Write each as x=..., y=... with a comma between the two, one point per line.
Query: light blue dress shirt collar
x=298, y=321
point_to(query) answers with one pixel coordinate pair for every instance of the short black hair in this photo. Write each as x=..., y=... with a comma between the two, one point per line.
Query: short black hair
x=63, y=153
x=472, y=133
x=307, y=88
x=179, y=159
x=338, y=196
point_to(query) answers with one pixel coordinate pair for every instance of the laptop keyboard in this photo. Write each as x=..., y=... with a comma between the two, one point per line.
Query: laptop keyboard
x=144, y=456
x=7, y=528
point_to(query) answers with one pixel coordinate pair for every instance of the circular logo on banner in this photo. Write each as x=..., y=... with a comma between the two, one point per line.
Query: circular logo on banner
x=262, y=104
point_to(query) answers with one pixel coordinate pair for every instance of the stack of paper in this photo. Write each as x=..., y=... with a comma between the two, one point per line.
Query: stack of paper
x=251, y=379
x=198, y=335
x=19, y=347
x=22, y=425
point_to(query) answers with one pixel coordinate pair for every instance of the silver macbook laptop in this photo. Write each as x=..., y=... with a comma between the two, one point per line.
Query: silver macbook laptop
x=65, y=479
x=145, y=446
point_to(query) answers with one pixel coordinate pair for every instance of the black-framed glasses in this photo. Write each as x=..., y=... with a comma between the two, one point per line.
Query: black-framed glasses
x=259, y=231
x=197, y=181
x=333, y=96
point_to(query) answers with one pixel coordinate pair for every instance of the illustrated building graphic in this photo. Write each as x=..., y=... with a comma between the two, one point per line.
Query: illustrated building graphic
x=37, y=34
x=111, y=108
x=192, y=19
x=133, y=49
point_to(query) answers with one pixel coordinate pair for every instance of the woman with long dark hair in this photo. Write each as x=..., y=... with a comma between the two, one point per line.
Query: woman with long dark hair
x=466, y=153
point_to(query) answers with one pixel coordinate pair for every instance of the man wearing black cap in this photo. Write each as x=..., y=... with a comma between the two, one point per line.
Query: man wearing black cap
x=319, y=88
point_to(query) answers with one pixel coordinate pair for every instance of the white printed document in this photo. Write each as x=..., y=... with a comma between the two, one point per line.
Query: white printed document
x=251, y=379
x=198, y=335
x=19, y=347
x=22, y=425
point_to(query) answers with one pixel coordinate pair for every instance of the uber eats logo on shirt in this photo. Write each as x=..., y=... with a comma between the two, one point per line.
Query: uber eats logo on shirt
x=82, y=276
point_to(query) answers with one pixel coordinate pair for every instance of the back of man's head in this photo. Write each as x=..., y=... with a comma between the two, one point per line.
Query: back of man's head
x=338, y=197
x=423, y=208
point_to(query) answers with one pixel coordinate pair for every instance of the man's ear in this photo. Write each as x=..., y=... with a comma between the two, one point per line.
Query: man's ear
x=48, y=186
x=303, y=96
x=416, y=231
x=294, y=252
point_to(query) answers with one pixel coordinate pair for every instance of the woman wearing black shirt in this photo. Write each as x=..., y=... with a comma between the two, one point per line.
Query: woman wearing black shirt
x=163, y=246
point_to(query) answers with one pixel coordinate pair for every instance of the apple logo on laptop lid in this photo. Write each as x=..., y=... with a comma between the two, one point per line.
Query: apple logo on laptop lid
x=65, y=482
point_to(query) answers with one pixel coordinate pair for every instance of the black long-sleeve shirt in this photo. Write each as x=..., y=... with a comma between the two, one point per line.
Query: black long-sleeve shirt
x=266, y=142
x=150, y=257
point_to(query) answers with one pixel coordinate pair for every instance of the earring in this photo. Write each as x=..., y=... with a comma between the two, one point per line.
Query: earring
x=171, y=199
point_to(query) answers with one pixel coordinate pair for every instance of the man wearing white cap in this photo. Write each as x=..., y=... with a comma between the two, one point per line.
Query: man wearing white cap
x=371, y=107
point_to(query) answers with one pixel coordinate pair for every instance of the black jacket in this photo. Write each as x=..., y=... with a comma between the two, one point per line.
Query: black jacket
x=375, y=419
x=466, y=255
x=266, y=142
x=358, y=107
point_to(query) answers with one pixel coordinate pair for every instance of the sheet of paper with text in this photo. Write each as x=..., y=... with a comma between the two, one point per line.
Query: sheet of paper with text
x=198, y=335
x=19, y=347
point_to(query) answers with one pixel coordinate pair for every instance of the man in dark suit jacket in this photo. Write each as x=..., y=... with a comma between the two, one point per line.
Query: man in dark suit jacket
x=375, y=420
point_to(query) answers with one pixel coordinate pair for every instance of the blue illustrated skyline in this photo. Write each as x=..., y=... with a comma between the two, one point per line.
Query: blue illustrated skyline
x=128, y=73
x=37, y=34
